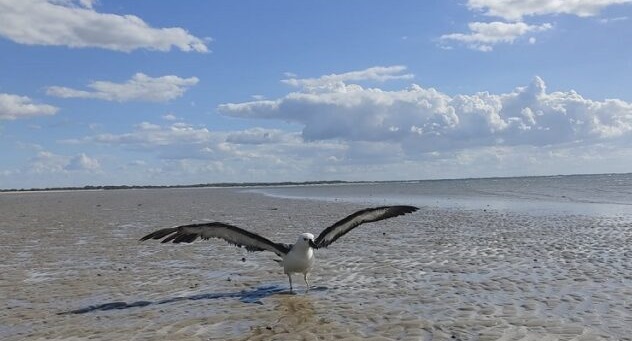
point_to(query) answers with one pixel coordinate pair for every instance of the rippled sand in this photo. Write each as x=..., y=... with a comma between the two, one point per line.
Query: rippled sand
x=72, y=269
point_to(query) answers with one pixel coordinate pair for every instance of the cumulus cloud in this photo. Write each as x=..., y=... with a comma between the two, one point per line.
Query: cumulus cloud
x=139, y=88
x=483, y=36
x=405, y=133
x=427, y=120
x=83, y=162
x=14, y=107
x=515, y=10
x=76, y=24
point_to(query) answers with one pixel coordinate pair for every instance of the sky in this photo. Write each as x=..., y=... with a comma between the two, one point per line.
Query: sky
x=100, y=92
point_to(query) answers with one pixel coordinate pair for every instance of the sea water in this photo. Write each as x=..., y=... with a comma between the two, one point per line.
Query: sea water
x=601, y=195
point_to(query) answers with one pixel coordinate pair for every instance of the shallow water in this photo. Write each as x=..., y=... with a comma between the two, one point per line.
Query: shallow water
x=73, y=269
x=601, y=195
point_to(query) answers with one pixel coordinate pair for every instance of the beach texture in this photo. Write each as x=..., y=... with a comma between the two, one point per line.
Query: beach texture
x=72, y=269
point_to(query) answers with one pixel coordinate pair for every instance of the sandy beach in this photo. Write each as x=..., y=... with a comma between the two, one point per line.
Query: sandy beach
x=72, y=269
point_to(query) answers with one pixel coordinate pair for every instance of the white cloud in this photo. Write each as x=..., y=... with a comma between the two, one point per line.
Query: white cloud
x=62, y=23
x=48, y=162
x=83, y=162
x=14, y=107
x=197, y=140
x=613, y=20
x=351, y=132
x=149, y=135
x=260, y=136
x=193, y=154
x=515, y=10
x=139, y=88
x=424, y=120
x=377, y=73
x=87, y=3
x=169, y=117
x=484, y=36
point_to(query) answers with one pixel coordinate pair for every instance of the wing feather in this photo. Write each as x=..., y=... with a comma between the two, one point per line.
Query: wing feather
x=232, y=234
x=368, y=215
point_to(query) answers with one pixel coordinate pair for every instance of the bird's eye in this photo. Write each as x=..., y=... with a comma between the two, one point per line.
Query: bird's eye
x=305, y=239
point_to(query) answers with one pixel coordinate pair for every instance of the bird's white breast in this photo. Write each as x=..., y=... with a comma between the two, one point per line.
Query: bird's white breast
x=298, y=260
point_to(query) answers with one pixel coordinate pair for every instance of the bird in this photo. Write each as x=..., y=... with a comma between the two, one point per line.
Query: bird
x=295, y=258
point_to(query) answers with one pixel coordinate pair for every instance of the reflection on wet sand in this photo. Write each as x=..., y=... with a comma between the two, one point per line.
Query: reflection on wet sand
x=296, y=317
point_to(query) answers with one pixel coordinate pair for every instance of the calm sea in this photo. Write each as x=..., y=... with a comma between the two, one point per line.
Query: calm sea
x=603, y=194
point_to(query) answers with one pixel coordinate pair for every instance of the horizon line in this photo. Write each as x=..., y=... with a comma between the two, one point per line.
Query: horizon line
x=278, y=183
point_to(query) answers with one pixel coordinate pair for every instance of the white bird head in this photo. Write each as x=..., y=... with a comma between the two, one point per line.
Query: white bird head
x=306, y=239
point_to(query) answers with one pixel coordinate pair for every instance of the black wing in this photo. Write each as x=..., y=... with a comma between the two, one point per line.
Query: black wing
x=368, y=215
x=232, y=234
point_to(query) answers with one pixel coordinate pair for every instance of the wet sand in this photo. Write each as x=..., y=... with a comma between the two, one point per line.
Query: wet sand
x=72, y=269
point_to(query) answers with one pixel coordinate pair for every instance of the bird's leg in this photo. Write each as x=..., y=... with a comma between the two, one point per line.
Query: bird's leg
x=306, y=281
x=290, y=277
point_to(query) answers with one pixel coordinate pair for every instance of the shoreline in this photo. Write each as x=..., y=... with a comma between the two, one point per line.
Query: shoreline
x=295, y=183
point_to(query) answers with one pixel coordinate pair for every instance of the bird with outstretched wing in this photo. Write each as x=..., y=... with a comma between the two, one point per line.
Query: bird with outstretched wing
x=295, y=258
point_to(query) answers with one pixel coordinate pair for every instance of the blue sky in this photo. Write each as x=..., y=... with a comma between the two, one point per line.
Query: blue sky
x=163, y=92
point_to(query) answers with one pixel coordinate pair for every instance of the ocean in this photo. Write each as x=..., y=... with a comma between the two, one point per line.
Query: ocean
x=599, y=195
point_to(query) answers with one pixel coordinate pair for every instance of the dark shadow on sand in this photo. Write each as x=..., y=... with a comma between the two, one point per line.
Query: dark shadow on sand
x=245, y=296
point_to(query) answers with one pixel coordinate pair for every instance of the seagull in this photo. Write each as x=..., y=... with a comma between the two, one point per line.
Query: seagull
x=295, y=258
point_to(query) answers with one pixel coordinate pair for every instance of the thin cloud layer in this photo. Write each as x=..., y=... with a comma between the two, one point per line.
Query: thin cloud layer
x=483, y=36
x=186, y=149
x=426, y=120
x=258, y=136
x=139, y=88
x=151, y=135
x=377, y=73
x=515, y=10
x=77, y=25
x=15, y=107
x=48, y=162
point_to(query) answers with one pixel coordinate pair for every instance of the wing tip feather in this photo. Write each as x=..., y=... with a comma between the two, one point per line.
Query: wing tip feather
x=159, y=233
x=184, y=234
x=387, y=212
x=404, y=209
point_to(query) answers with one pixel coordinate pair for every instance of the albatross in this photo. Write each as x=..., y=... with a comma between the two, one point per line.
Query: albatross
x=295, y=258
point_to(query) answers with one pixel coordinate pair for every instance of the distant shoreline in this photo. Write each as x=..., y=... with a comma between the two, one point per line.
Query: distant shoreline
x=268, y=184
x=222, y=184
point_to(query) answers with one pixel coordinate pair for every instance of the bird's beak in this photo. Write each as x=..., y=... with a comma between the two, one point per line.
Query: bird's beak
x=312, y=244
